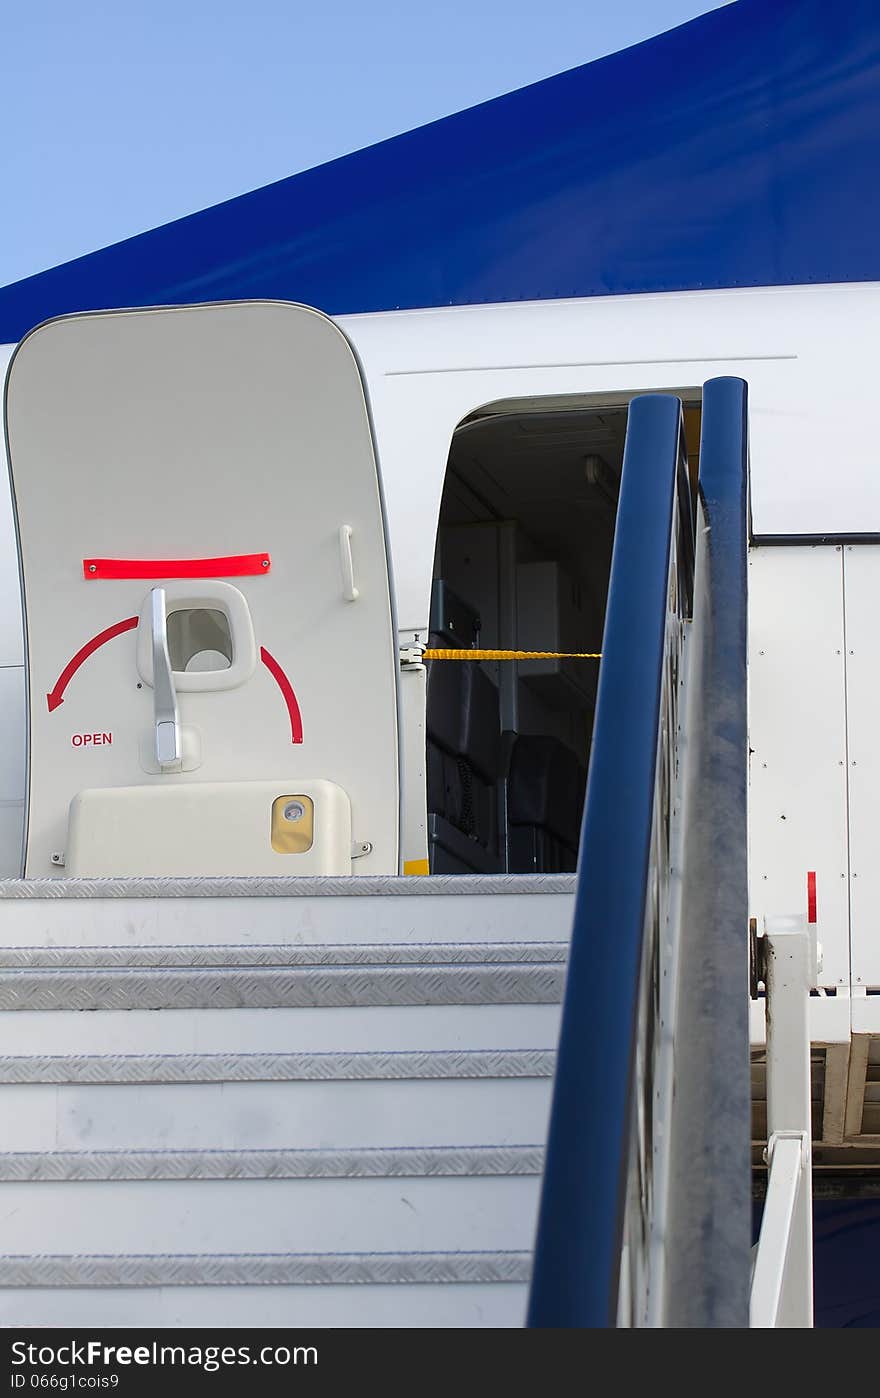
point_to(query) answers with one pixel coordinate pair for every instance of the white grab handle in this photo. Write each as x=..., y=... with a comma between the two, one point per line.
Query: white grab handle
x=349, y=591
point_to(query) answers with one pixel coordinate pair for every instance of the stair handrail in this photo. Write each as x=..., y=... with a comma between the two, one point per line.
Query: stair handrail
x=614, y=1244
x=705, y=1279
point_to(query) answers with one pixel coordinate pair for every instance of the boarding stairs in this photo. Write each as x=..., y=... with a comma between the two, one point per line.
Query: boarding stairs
x=323, y=1103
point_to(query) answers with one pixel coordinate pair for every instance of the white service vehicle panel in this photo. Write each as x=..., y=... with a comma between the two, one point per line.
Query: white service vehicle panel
x=208, y=616
x=797, y=738
x=861, y=573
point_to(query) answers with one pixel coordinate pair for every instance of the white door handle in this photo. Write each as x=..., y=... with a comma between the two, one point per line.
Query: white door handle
x=167, y=725
x=349, y=591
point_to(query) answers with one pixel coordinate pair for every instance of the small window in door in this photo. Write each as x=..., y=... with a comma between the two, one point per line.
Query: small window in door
x=199, y=640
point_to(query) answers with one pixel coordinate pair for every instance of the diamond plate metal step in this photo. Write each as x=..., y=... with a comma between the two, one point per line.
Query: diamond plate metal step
x=410, y=1120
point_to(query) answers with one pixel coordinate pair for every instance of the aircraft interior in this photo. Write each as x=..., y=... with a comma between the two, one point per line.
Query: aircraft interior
x=523, y=556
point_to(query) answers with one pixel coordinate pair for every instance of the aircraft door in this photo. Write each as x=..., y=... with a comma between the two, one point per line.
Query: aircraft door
x=211, y=659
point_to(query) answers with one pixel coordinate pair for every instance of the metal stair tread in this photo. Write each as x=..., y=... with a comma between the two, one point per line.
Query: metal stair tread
x=262, y=987
x=263, y=1269
x=386, y=885
x=276, y=955
x=356, y=1162
x=322, y=1066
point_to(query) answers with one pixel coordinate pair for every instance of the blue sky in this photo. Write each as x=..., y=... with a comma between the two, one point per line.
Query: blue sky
x=123, y=114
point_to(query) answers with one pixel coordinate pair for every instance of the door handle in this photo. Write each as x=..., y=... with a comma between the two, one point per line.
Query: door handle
x=165, y=715
x=349, y=591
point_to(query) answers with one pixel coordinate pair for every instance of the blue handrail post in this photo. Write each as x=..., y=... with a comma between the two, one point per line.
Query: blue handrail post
x=577, y=1254
x=648, y=1148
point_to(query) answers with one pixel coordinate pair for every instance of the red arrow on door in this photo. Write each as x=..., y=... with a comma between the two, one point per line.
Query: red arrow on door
x=55, y=697
x=271, y=664
x=56, y=693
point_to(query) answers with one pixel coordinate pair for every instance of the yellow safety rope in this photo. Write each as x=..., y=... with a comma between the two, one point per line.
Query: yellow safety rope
x=511, y=655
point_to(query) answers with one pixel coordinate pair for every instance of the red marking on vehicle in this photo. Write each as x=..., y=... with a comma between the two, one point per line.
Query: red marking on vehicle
x=811, y=897
x=235, y=565
x=93, y=740
x=56, y=693
x=271, y=664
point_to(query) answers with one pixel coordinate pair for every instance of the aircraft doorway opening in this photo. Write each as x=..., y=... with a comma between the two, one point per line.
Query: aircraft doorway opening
x=522, y=562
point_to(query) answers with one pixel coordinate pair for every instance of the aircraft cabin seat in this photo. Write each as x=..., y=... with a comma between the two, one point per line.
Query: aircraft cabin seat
x=545, y=799
x=463, y=768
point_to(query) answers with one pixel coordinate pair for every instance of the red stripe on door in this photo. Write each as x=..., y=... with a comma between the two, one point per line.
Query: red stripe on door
x=234, y=565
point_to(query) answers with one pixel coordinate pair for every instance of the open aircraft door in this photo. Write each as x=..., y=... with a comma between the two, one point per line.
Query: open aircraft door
x=211, y=658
